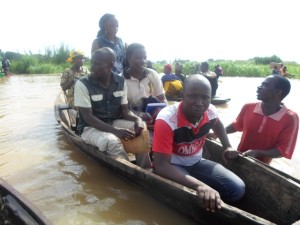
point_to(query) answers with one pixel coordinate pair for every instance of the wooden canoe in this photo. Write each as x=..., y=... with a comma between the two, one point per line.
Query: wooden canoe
x=18, y=210
x=271, y=197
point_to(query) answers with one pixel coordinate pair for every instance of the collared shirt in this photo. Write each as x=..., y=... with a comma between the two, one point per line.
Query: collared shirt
x=176, y=136
x=279, y=130
x=137, y=90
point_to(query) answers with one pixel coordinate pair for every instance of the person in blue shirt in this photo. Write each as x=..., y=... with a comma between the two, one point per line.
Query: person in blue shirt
x=172, y=83
x=168, y=75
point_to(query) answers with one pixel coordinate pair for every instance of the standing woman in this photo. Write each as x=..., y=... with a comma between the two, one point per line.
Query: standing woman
x=144, y=84
x=106, y=37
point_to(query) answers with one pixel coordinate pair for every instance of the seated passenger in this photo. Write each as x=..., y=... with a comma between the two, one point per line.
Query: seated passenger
x=178, y=71
x=211, y=76
x=219, y=71
x=144, y=84
x=171, y=82
x=275, y=70
x=101, y=98
x=179, y=135
x=270, y=129
x=72, y=74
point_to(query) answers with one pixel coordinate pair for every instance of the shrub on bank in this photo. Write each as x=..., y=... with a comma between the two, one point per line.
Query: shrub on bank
x=54, y=61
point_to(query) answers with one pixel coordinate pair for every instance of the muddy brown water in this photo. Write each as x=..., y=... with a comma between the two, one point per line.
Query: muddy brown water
x=70, y=188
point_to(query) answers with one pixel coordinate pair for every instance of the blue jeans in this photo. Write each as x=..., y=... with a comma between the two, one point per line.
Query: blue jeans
x=230, y=186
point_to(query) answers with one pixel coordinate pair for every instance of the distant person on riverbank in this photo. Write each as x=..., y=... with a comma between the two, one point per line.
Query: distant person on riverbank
x=6, y=66
x=269, y=128
x=144, y=84
x=178, y=71
x=107, y=37
x=211, y=76
x=179, y=136
x=72, y=74
x=285, y=73
x=171, y=83
x=101, y=99
x=219, y=71
x=275, y=70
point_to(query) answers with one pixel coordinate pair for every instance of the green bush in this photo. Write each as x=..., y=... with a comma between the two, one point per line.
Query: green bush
x=54, y=61
x=23, y=63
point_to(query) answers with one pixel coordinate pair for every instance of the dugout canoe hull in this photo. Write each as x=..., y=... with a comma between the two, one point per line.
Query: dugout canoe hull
x=263, y=203
x=18, y=209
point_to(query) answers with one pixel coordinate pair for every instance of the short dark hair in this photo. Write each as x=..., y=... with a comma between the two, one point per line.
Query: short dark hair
x=129, y=52
x=282, y=84
x=132, y=48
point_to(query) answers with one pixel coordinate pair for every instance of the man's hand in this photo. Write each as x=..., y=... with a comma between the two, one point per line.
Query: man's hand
x=138, y=126
x=211, y=199
x=231, y=153
x=123, y=133
x=212, y=136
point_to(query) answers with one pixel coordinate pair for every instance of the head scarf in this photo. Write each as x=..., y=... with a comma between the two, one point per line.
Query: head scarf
x=74, y=54
x=169, y=66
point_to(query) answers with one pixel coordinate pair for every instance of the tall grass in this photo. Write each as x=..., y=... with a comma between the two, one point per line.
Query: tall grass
x=234, y=68
x=54, y=61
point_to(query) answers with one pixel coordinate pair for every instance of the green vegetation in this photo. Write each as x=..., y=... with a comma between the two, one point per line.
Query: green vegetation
x=257, y=67
x=54, y=61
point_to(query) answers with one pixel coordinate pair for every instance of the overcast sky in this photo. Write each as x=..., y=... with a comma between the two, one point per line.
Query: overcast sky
x=191, y=29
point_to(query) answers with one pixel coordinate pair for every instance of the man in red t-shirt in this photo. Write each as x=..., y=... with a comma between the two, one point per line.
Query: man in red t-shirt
x=179, y=136
x=269, y=128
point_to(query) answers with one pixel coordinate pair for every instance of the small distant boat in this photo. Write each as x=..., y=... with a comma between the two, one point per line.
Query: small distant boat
x=18, y=210
x=217, y=100
x=272, y=197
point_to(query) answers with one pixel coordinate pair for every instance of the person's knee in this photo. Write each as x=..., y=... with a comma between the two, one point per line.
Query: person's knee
x=238, y=190
x=115, y=148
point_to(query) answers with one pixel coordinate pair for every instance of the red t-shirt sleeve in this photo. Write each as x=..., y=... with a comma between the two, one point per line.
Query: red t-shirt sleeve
x=288, y=137
x=162, y=138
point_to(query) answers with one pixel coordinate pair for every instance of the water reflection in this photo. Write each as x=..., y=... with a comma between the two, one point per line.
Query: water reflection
x=68, y=187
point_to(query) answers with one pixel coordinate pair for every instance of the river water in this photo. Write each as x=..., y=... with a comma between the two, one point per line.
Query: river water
x=70, y=188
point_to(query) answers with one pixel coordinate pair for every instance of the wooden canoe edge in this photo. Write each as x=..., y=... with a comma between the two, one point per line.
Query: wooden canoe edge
x=269, y=194
x=26, y=204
